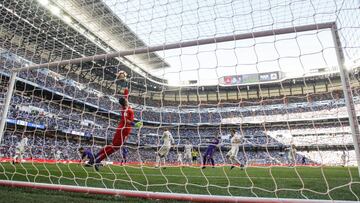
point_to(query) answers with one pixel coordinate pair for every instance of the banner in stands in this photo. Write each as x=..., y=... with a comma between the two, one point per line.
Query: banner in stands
x=268, y=76
x=73, y=132
x=25, y=123
x=250, y=78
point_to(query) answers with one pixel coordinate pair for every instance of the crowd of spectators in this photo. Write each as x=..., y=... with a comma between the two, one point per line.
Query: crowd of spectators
x=43, y=147
x=170, y=111
x=324, y=135
x=318, y=108
x=56, y=116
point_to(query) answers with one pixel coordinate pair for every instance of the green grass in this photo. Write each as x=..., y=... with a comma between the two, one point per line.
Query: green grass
x=282, y=182
x=20, y=195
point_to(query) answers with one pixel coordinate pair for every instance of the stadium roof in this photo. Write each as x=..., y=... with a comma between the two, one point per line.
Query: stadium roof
x=99, y=19
x=89, y=27
x=35, y=31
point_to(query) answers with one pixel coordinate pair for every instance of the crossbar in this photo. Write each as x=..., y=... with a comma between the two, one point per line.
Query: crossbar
x=178, y=45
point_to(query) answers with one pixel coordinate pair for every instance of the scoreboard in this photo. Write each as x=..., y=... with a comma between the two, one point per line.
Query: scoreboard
x=249, y=78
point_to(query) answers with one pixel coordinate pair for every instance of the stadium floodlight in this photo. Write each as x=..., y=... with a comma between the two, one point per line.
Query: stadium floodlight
x=55, y=10
x=44, y=2
x=67, y=19
x=62, y=107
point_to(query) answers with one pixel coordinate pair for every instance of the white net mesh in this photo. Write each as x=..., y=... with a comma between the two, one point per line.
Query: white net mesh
x=280, y=93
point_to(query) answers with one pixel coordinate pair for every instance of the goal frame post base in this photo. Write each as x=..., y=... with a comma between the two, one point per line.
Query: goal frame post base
x=158, y=195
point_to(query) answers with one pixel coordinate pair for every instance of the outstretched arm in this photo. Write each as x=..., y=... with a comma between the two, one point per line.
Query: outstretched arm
x=83, y=156
x=126, y=93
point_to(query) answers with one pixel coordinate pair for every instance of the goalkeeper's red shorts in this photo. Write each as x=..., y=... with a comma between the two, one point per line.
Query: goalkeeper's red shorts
x=120, y=137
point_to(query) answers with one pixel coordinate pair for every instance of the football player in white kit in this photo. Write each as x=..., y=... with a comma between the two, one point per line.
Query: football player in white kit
x=20, y=149
x=179, y=159
x=291, y=155
x=343, y=159
x=58, y=155
x=235, y=141
x=168, y=141
x=187, y=152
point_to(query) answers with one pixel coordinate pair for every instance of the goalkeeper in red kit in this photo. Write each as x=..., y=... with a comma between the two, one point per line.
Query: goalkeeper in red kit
x=122, y=131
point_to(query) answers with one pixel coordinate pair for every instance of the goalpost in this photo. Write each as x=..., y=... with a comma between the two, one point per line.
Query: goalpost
x=244, y=117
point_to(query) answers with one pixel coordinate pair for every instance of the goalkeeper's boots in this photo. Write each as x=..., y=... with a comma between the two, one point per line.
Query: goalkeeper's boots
x=97, y=167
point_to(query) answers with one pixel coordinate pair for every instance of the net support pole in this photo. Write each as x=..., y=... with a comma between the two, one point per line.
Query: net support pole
x=5, y=109
x=345, y=83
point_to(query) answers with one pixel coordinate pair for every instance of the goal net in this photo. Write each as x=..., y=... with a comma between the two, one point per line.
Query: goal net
x=188, y=100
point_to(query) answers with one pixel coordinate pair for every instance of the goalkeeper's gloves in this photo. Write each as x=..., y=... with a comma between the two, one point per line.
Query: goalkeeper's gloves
x=136, y=124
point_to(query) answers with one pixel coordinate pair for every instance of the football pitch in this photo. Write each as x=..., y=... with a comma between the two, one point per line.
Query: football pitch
x=339, y=183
